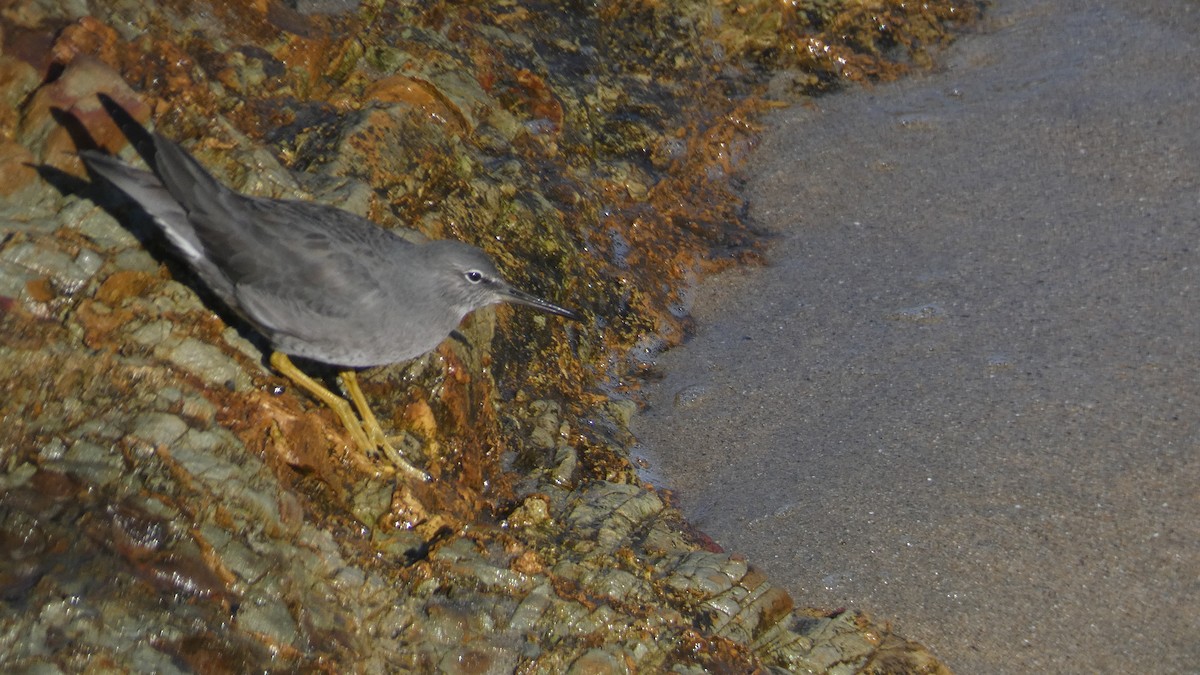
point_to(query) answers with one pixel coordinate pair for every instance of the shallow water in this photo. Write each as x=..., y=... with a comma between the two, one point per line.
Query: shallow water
x=964, y=394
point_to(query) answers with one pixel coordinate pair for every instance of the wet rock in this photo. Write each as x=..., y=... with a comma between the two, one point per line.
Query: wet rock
x=928, y=313
x=15, y=165
x=90, y=460
x=33, y=262
x=691, y=395
x=159, y=429
x=323, y=6
x=597, y=662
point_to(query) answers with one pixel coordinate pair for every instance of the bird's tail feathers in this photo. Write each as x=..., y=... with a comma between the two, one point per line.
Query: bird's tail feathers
x=187, y=180
x=147, y=191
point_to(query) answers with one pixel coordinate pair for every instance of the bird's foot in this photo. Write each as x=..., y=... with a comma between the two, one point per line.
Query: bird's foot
x=385, y=443
x=371, y=430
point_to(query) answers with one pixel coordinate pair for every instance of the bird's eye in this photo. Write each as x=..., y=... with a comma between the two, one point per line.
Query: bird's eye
x=474, y=276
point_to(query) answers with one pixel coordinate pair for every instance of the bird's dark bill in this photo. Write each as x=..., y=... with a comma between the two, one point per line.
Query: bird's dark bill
x=522, y=298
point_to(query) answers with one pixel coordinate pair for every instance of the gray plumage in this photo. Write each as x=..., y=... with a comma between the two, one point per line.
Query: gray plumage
x=318, y=282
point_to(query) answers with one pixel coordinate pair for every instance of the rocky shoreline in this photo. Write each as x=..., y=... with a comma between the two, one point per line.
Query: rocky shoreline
x=170, y=505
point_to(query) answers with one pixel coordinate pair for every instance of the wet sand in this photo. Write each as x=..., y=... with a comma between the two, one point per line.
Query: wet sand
x=965, y=394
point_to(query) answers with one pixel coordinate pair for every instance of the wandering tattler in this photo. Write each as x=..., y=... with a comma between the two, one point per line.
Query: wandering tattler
x=319, y=282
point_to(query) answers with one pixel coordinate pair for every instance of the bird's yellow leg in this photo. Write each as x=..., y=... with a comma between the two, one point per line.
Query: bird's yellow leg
x=366, y=434
x=336, y=403
x=370, y=426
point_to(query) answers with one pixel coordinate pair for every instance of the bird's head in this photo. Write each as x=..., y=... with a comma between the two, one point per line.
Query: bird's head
x=469, y=280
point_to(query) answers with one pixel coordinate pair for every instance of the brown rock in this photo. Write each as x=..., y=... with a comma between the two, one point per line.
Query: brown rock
x=73, y=95
x=14, y=167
